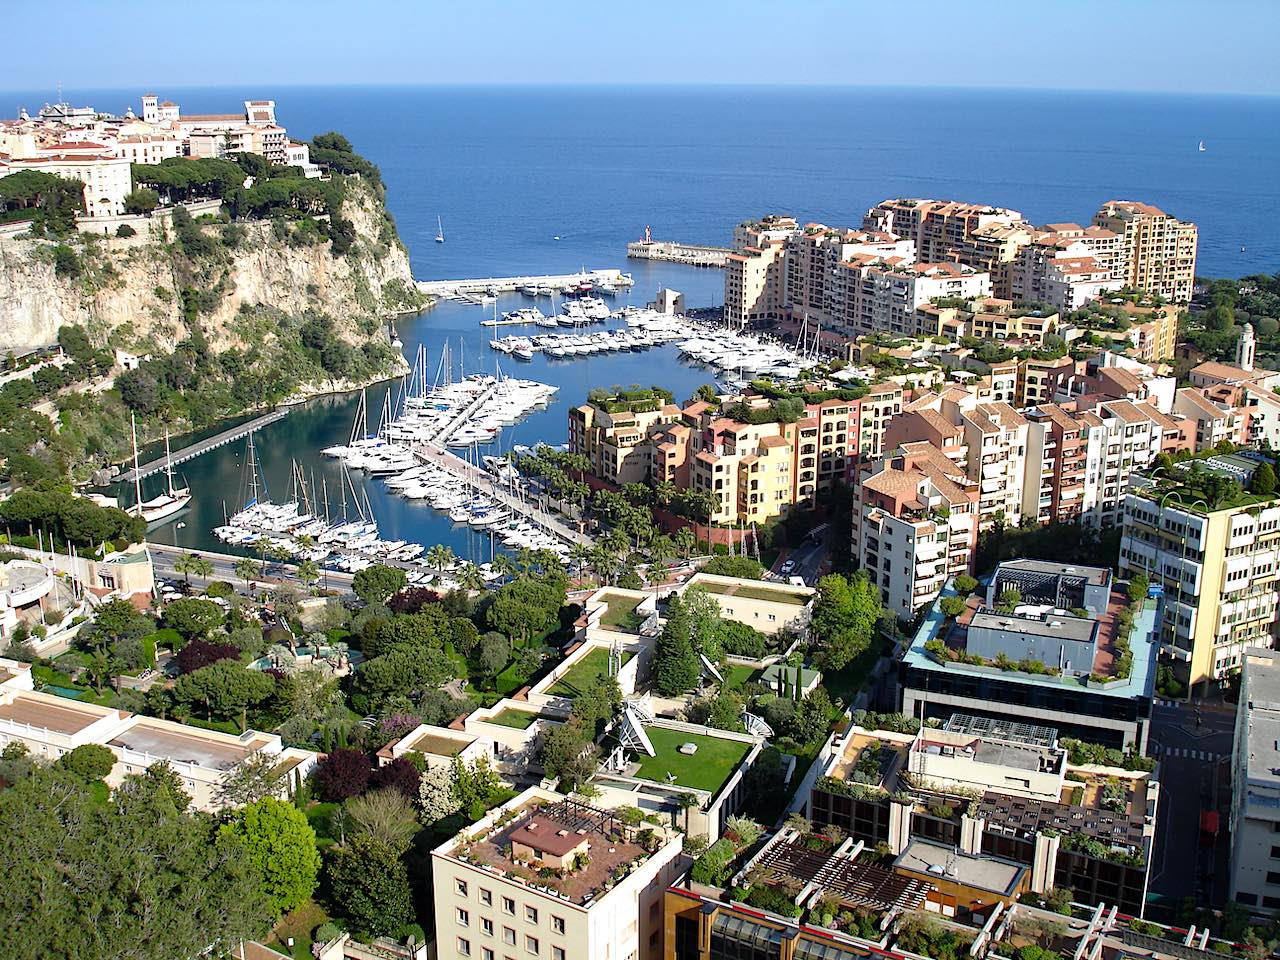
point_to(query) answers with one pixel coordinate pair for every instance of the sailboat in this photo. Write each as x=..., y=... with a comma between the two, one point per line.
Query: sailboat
x=158, y=509
x=439, y=230
x=1202, y=147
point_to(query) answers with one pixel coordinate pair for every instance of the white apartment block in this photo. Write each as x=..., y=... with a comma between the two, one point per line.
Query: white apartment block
x=546, y=878
x=996, y=437
x=1068, y=265
x=875, y=296
x=1121, y=437
x=915, y=526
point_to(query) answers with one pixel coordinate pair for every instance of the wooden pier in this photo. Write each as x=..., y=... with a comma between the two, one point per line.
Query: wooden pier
x=204, y=446
x=469, y=289
x=671, y=251
x=486, y=482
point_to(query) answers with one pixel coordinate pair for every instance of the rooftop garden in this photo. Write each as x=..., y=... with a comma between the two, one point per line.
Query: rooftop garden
x=634, y=400
x=706, y=769
x=1201, y=489
x=754, y=592
x=583, y=674
x=620, y=613
x=517, y=719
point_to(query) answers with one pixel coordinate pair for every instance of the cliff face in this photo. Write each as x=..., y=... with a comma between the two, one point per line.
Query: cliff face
x=129, y=291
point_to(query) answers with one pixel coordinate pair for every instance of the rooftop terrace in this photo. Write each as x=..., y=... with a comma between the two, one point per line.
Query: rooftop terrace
x=593, y=665
x=790, y=862
x=613, y=848
x=47, y=712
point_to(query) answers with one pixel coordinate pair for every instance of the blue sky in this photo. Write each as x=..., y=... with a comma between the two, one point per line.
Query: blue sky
x=1177, y=45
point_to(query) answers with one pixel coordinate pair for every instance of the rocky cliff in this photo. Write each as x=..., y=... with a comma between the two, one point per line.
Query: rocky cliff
x=142, y=293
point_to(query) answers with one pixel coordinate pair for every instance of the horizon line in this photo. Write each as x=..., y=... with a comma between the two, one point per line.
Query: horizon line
x=653, y=85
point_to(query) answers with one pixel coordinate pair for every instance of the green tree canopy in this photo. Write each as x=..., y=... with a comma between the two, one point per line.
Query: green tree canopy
x=369, y=886
x=675, y=661
x=89, y=761
x=281, y=846
x=377, y=583
x=136, y=878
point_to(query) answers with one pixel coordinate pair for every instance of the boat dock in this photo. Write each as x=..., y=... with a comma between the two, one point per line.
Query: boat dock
x=470, y=290
x=204, y=446
x=481, y=480
x=672, y=251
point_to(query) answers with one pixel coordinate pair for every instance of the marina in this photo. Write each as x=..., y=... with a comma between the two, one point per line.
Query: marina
x=194, y=450
x=217, y=478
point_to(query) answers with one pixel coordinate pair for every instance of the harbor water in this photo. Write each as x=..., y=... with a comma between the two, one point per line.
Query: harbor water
x=219, y=479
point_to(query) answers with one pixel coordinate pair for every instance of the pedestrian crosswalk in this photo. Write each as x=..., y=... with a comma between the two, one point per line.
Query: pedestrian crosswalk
x=1207, y=756
x=1168, y=703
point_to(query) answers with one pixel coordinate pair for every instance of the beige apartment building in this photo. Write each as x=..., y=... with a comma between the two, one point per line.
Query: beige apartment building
x=753, y=272
x=915, y=525
x=544, y=877
x=613, y=434
x=879, y=296
x=1160, y=250
x=943, y=230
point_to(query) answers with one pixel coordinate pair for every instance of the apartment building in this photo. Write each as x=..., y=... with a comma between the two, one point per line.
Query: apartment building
x=753, y=273
x=943, y=230
x=915, y=526
x=1067, y=265
x=50, y=726
x=1154, y=333
x=870, y=419
x=1210, y=414
x=995, y=319
x=613, y=433
x=1160, y=250
x=996, y=437
x=1255, y=783
x=551, y=878
x=1057, y=445
x=994, y=248
x=1121, y=437
x=107, y=178
x=880, y=296
x=1216, y=564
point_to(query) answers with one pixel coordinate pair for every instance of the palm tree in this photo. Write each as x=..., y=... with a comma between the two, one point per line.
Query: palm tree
x=525, y=559
x=504, y=565
x=663, y=491
x=549, y=561
x=263, y=546
x=245, y=568
x=470, y=578
x=100, y=665
x=308, y=572
x=185, y=566
x=439, y=557
x=685, y=542
x=686, y=802
x=579, y=554
x=201, y=566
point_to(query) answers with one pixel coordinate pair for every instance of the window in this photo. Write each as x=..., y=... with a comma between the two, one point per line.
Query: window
x=486, y=926
x=1271, y=903
x=557, y=924
x=464, y=918
x=531, y=914
x=508, y=906
x=461, y=887
x=653, y=910
x=508, y=936
x=1248, y=899
x=486, y=953
x=531, y=944
x=557, y=953
x=1273, y=877
x=464, y=947
x=1275, y=853
x=486, y=897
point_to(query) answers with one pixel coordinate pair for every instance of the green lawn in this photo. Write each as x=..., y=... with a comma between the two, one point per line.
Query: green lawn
x=620, y=613
x=585, y=672
x=751, y=592
x=519, y=719
x=736, y=675
x=707, y=769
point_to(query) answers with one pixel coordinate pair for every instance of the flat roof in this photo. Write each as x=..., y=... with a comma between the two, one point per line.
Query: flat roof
x=439, y=744
x=53, y=713
x=1098, y=576
x=1261, y=691
x=1080, y=629
x=186, y=744
x=1141, y=682
x=946, y=863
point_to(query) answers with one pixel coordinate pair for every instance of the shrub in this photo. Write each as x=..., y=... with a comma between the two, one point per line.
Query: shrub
x=342, y=774
x=326, y=931
x=965, y=584
x=219, y=588
x=124, y=230
x=712, y=868
x=951, y=607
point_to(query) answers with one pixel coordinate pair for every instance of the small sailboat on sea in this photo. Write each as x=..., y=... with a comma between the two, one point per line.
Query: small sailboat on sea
x=158, y=509
x=439, y=230
x=1202, y=146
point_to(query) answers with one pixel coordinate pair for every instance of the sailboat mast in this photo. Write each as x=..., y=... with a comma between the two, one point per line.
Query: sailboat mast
x=168, y=462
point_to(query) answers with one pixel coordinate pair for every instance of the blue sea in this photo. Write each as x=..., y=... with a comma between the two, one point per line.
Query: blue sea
x=507, y=170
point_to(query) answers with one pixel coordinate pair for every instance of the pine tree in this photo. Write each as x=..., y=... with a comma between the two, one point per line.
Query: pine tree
x=675, y=664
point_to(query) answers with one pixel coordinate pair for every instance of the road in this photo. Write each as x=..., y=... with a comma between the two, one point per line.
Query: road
x=809, y=558
x=163, y=557
x=1195, y=775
